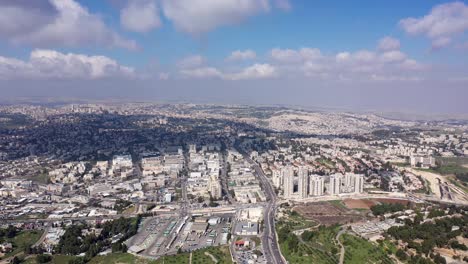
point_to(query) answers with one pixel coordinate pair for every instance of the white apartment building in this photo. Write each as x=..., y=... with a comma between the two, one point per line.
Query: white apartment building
x=316, y=185
x=303, y=182
x=288, y=180
x=335, y=184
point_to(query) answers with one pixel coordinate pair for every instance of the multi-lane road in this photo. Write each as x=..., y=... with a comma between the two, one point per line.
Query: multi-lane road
x=269, y=239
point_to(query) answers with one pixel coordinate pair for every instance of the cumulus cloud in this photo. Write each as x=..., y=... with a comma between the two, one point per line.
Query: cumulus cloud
x=140, y=15
x=191, y=61
x=386, y=60
x=201, y=16
x=23, y=16
x=345, y=65
x=56, y=23
x=393, y=56
x=441, y=25
x=256, y=71
x=388, y=44
x=50, y=64
x=290, y=55
x=239, y=55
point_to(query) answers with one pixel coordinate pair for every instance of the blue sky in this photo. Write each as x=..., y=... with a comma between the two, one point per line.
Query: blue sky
x=157, y=45
x=332, y=25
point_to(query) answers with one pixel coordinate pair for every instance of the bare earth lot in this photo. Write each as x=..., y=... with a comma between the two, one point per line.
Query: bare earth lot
x=392, y=201
x=359, y=203
x=327, y=213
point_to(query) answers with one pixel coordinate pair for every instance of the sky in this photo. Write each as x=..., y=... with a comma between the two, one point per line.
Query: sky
x=398, y=56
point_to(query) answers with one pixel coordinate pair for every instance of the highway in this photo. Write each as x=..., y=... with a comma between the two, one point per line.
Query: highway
x=269, y=239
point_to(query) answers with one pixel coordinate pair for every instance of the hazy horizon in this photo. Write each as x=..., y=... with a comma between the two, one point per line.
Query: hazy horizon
x=289, y=52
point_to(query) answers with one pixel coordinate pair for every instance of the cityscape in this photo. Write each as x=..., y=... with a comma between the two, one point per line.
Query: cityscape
x=233, y=132
x=184, y=183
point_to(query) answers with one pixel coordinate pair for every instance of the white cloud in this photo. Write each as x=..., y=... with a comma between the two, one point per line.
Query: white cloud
x=19, y=17
x=201, y=16
x=256, y=71
x=358, y=65
x=140, y=15
x=410, y=64
x=291, y=56
x=441, y=25
x=388, y=44
x=202, y=73
x=441, y=42
x=68, y=24
x=49, y=64
x=191, y=61
x=242, y=55
x=393, y=56
x=364, y=56
x=343, y=56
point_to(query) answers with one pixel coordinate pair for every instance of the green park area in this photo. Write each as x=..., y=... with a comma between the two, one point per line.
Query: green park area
x=359, y=251
x=20, y=240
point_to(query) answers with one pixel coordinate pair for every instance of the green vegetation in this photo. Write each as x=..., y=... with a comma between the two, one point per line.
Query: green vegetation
x=318, y=246
x=42, y=258
x=381, y=209
x=462, y=185
x=202, y=256
x=221, y=254
x=295, y=221
x=457, y=166
x=326, y=162
x=177, y=259
x=119, y=258
x=358, y=250
x=42, y=177
x=21, y=240
x=424, y=237
x=400, y=164
x=338, y=203
x=73, y=242
x=121, y=205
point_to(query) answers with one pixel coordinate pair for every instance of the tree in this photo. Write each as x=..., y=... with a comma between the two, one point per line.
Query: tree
x=42, y=258
x=79, y=260
x=15, y=260
x=401, y=255
x=11, y=231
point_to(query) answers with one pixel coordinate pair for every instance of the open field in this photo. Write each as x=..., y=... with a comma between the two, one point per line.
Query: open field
x=359, y=203
x=328, y=213
x=120, y=258
x=358, y=251
x=221, y=254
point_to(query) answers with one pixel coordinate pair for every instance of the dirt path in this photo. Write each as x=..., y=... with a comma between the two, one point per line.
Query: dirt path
x=215, y=260
x=342, y=251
